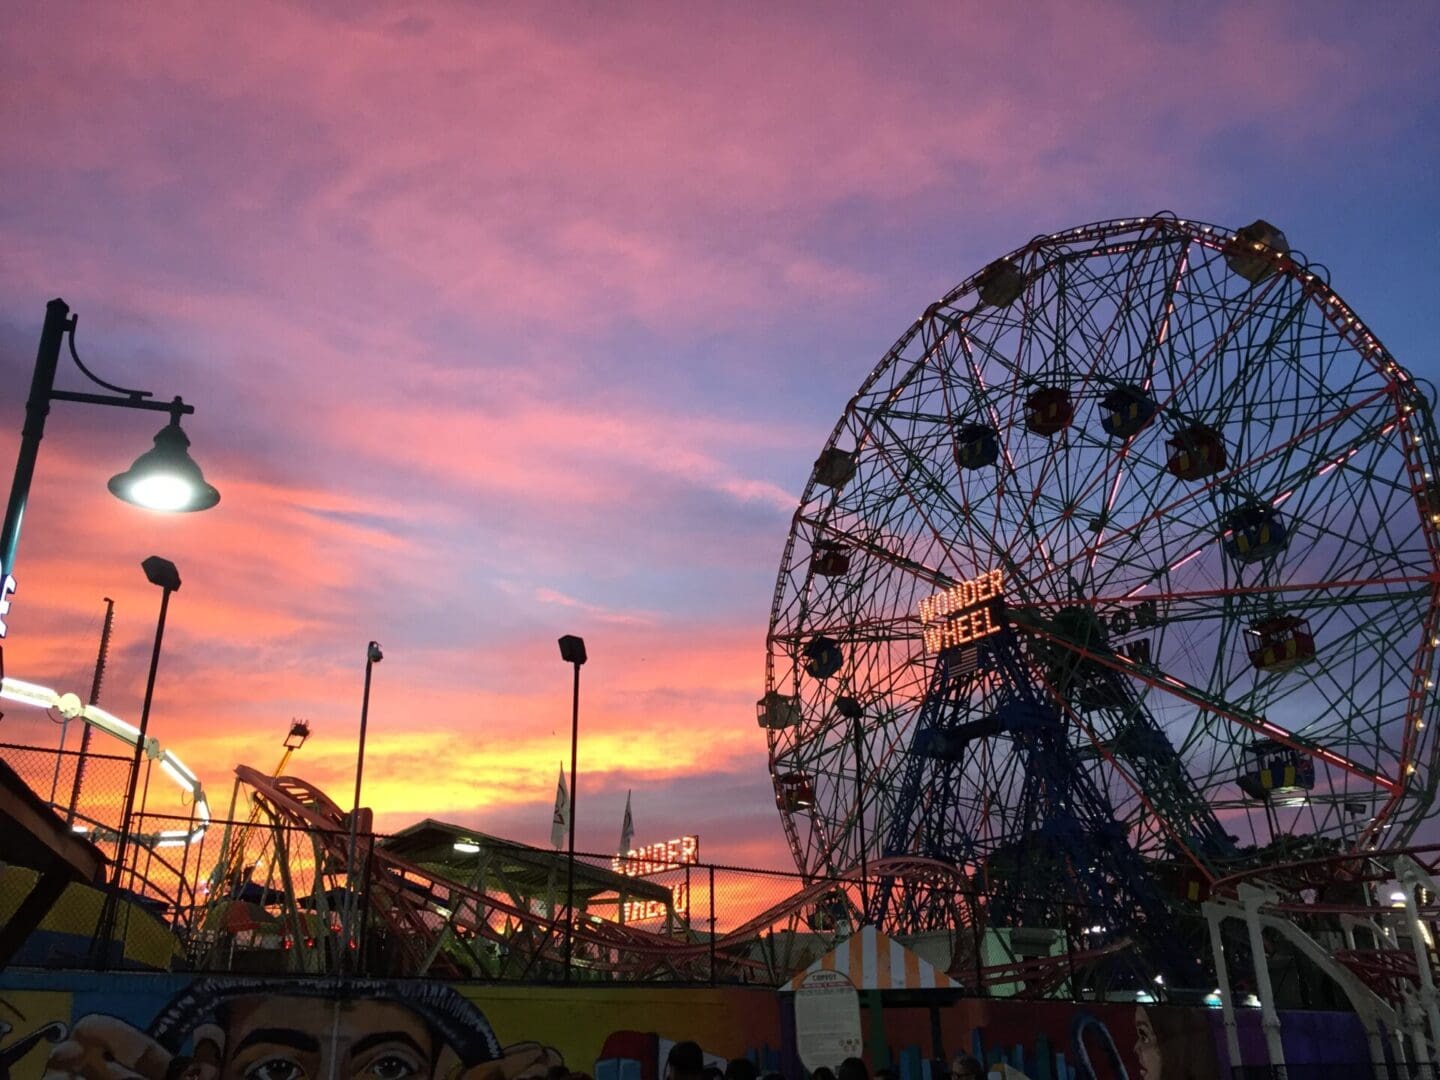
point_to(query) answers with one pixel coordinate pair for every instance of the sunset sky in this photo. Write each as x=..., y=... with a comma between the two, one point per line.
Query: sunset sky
x=509, y=321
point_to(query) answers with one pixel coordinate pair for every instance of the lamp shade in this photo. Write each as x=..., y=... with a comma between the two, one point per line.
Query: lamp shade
x=165, y=477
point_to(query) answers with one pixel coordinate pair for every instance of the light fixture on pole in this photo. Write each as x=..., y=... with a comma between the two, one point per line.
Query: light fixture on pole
x=572, y=651
x=373, y=655
x=162, y=573
x=163, y=478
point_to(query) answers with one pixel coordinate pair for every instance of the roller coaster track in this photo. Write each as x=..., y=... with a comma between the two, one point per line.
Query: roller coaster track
x=423, y=911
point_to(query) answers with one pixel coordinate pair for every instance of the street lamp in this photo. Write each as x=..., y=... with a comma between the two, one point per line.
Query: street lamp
x=160, y=572
x=373, y=655
x=572, y=651
x=163, y=478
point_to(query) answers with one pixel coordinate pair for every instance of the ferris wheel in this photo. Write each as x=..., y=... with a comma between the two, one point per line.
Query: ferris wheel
x=1119, y=570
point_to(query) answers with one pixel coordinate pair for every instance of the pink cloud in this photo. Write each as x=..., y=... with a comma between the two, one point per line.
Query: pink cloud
x=502, y=324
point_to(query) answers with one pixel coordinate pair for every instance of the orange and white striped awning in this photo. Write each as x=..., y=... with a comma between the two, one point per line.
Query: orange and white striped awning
x=873, y=961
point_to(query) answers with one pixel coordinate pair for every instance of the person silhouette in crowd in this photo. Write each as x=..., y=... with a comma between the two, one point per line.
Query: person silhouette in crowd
x=685, y=1062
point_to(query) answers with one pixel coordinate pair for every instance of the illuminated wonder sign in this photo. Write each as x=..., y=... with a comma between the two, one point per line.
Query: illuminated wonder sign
x=965, y=612
x=655, y=859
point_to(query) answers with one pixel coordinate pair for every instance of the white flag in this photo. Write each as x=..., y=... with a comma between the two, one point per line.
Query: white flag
x=560, y=824
x=627, y=828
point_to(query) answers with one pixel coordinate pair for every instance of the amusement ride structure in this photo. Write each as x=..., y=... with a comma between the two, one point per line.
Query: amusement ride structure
x=1116, y=577
x=1103, y=646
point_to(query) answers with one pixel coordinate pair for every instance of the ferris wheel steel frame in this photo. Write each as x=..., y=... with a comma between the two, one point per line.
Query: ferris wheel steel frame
x=1299, y=470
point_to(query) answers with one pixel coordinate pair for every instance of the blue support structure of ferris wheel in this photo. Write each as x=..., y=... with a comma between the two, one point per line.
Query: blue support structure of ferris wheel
x=1064, y=848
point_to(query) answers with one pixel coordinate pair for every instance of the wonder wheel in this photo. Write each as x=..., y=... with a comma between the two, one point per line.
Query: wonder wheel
x=1117, y=573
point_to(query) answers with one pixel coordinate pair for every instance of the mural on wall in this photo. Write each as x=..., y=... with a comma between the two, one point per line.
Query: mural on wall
x=1156, y=1043
x=28, y=1024
x=258, y=1029
x=120, y=1026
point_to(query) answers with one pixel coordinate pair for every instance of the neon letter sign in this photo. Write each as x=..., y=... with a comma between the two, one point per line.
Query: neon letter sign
x=963, y=613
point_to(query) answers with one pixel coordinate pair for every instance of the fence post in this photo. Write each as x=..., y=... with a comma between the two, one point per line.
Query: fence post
x=712, y=924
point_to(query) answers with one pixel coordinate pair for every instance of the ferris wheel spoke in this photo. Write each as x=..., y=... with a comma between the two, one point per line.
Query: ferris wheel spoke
x=894, y=559
x=1194, y=695
x=1320, y=588
x=1178, y=505
x=935, y=487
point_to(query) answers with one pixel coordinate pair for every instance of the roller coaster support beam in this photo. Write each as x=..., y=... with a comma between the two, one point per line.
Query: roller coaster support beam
x=1252, y=899
x=1222, y=973
x=1372, y=1010
x=1411, y=878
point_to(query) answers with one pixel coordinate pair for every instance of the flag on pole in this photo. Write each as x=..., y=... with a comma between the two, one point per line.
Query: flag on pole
x=560, y=823
x=627, y=828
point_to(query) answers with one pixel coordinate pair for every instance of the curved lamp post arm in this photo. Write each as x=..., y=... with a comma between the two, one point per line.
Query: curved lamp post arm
x=58, y=323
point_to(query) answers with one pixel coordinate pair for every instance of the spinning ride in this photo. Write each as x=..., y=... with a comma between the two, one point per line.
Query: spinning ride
x=1117, y=574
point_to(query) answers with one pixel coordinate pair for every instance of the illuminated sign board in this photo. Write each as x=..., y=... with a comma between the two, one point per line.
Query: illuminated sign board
x=6, y=588
x=963, y=613
x=655, y=859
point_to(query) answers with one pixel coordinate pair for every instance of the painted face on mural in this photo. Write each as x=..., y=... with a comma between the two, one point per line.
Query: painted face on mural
x=1147, y=1046
x=285, y=1039
x=12, y=1050
x=370, y=1032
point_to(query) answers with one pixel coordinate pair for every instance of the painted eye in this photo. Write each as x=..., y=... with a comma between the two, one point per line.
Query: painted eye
x=391, y=1067
x=276, y=1068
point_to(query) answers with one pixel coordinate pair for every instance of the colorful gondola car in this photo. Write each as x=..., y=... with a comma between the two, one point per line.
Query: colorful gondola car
x=776, y=711
x=1126, y=410
x=823, y=657
x=794, y=792
x=1049, y=411
x=1196, y=451
x=829, y=559
x=1000, y=283
x=1255, y=532
x=1280, y=643
x=1279, y=774
x=976, y=446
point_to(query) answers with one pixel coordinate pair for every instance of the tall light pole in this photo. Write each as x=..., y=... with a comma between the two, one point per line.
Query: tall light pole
x=161, y=572
x=373, y=655
x=572, y=651
x=163, y=478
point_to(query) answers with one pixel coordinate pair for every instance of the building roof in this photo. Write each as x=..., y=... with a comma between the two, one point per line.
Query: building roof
x=510, y=866
x=32, y=834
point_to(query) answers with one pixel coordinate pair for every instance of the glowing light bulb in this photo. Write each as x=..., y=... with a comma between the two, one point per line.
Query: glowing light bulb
x=162, y=492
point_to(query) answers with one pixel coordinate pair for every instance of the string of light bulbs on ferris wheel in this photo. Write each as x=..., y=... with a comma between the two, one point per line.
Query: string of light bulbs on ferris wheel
x=70, y=707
